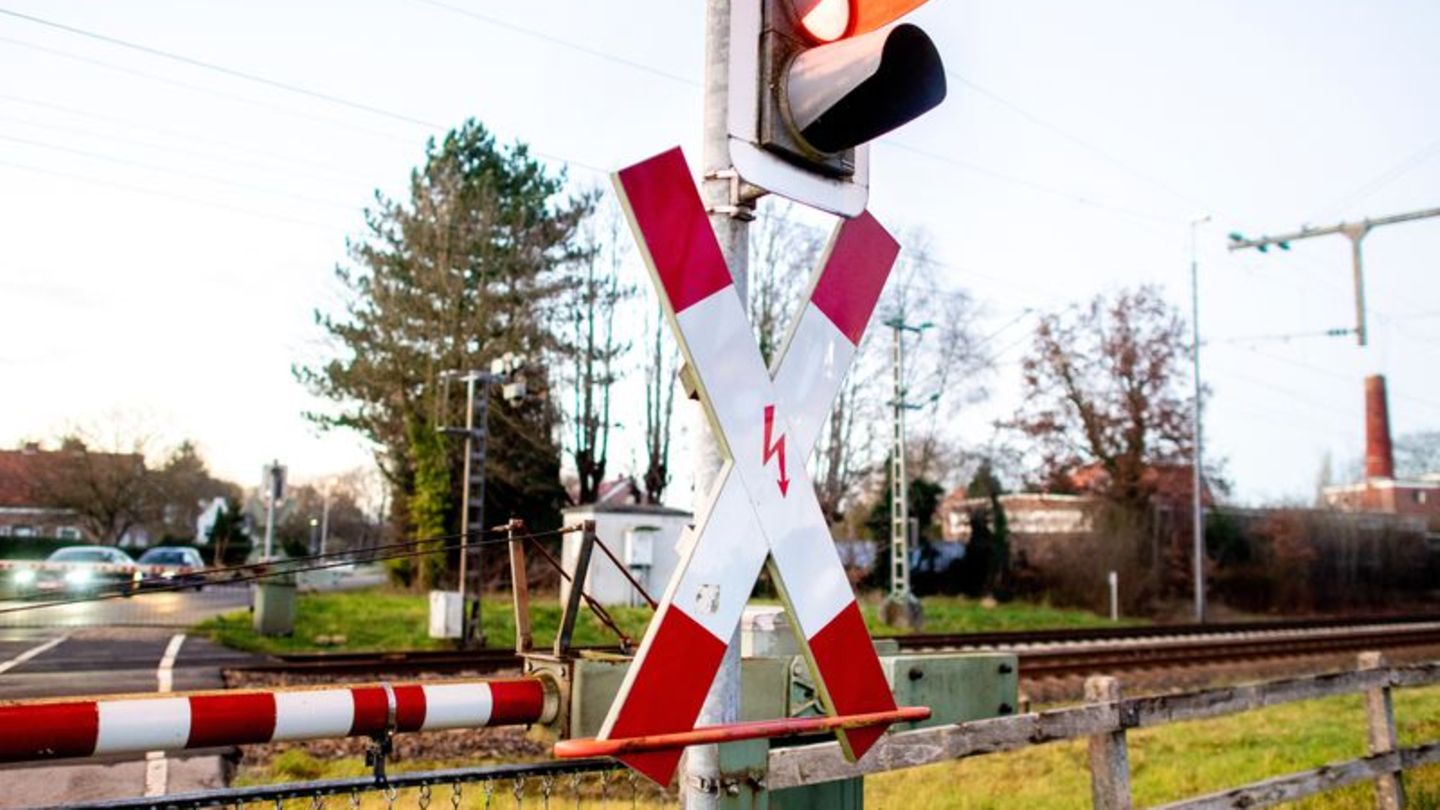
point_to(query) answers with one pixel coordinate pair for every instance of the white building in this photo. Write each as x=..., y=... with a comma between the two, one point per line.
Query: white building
x=644, y=538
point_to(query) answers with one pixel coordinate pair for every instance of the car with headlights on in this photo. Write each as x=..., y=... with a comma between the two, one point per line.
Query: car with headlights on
x=79, y=570
x=172, y=566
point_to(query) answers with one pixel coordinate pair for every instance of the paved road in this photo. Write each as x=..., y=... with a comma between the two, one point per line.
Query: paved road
x=62, y=661
x=159, y=609
x=113, y=647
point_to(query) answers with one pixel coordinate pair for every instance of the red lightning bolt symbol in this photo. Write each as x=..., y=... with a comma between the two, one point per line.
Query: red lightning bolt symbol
x=775, y=448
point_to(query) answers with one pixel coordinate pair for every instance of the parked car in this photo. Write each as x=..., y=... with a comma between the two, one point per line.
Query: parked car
x=172, y=565
x=77, y=570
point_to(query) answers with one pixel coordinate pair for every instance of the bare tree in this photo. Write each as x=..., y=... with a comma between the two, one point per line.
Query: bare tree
x=661, y=365
x=783, y=253
x=1104, y=386
x=593, y=296
x=1417, y=454
x=945, y=367
x=105, y=483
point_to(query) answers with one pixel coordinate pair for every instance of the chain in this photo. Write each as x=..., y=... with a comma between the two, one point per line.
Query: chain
x=547, y=786
x=390, y=794
x=575, y=788
x=604, y=786
x=634, y=789
x=424, y=800
x=317, y=802
x=354, y=799
x=489, y=788
x=455, y=795
x=519, y=792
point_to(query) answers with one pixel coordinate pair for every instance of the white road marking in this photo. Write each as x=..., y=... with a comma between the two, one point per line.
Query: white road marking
x=157, y=768
x=31, y=653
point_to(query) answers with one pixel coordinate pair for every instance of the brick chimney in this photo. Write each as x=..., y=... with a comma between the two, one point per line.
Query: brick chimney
x=1379, y=459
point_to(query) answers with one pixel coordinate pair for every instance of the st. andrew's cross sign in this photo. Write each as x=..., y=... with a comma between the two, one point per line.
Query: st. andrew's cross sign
x=763, y=504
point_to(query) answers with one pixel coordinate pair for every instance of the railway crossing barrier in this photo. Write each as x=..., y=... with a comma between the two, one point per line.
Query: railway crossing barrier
x=175, y=721
x=773, y=773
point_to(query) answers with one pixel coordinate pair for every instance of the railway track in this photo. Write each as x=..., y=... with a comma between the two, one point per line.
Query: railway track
x=1042, y=654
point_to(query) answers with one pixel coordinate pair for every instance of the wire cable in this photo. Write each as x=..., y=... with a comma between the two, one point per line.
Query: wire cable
x=234, y=575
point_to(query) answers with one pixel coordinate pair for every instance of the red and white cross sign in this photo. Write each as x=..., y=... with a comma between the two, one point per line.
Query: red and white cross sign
x=763, y=504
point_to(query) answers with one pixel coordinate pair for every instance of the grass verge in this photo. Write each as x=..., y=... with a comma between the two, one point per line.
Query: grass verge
x=1179, y=761
x=376, y=619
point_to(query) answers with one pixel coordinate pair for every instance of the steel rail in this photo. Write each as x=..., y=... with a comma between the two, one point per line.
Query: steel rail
x=492, y=660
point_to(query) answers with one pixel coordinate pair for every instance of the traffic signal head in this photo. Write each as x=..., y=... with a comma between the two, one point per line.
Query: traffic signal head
x=813, y=81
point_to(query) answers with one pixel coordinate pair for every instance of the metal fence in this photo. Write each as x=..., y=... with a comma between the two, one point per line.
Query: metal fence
x=573, y=783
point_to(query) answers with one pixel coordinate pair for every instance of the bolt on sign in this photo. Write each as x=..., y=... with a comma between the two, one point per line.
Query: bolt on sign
x=762, y=509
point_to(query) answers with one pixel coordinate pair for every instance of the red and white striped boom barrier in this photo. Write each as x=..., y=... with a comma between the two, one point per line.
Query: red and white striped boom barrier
x=129, y=724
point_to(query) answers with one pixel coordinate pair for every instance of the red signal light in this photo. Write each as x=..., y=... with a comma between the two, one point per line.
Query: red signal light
x=823, y=20
x=829, y=20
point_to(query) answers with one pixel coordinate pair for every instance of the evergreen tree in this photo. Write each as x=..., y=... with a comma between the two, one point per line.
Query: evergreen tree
x=458, y=275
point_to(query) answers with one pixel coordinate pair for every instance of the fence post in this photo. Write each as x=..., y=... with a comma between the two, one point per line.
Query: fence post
x=1109, y=758
x=520, y=586
x=1380, y=727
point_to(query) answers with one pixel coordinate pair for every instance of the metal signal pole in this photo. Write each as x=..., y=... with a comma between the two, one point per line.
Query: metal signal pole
x=899, y=494
x=1355, y=232
x=902, y=607
x=472, y=488
x=730, y=216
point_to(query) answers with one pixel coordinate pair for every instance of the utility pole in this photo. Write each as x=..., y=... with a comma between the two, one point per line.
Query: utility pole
x=902, y=607
x=324, y=520
x=274, y=489
x=730, y=215
x=1197, y=478
x=1355, y=232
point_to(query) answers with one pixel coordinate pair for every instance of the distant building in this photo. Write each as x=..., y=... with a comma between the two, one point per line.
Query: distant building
x=1381, y=492
x=645, y=539
x=23, y=512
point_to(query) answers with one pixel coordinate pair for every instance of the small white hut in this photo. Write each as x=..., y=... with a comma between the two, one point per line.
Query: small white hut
x=644, y=538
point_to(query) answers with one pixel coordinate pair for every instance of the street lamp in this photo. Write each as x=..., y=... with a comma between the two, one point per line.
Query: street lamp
x=1198, y=519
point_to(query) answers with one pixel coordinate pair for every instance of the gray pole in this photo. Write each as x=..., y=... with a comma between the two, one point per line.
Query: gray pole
x=1198, y=519
x=325, y=520
x=729, y=216
x=270, y=509
x=465, y=508
x=269, y=521
x=1356, y=234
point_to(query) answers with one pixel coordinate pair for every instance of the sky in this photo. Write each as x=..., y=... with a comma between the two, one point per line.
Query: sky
x=167, y=230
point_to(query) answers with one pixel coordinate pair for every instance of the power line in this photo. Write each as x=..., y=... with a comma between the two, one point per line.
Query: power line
x=335, y=170
x=244, y=100
x=171, y=149
x=1075, y=139
x=1328, y=373
x=152, y=167
x=1079, y=199
x=209, y=91
x=1385, y=178
x=564, y=43
x=331, y=229
x=191, y=61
